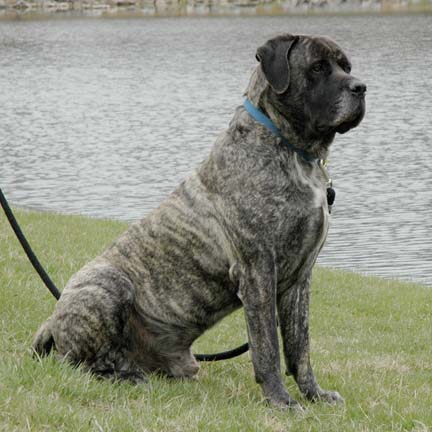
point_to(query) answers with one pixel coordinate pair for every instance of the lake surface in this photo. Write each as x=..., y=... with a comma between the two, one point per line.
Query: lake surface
x=105, y=117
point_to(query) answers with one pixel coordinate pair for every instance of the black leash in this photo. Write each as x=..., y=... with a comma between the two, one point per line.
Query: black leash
x=56, y=293
x=27, y=248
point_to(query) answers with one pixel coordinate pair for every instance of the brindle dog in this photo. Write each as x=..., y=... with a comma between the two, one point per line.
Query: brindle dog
x=244, y=229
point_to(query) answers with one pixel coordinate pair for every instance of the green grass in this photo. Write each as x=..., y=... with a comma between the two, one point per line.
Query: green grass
x=371, y=340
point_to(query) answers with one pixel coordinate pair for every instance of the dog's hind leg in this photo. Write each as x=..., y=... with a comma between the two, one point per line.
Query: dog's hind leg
x=43, y=341
x=90, y=324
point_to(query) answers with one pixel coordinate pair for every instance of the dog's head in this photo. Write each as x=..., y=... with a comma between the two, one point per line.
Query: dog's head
x=309, y=84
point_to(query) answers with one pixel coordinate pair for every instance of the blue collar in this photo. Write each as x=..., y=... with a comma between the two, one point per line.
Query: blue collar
x=260, y=117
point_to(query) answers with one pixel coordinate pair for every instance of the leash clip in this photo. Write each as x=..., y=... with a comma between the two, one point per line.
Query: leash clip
x=323, y=167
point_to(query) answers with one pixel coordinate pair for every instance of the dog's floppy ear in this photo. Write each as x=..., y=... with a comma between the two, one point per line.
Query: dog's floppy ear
x=273, y=56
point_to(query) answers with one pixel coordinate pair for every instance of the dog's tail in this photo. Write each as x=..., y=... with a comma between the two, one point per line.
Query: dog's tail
x=43, y=341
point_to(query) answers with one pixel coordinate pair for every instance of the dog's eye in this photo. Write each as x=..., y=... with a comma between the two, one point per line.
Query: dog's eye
x=320, y=66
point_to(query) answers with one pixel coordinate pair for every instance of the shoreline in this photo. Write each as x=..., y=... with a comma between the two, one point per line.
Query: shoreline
x=29, y=9
x=37, y=213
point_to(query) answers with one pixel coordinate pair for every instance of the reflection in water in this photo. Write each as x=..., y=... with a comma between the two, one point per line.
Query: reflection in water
x=105, y=117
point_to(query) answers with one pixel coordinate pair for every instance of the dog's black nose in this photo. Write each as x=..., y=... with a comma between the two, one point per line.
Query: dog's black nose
x=357, y=88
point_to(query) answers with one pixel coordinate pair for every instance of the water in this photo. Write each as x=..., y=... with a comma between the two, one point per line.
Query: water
x=105, y=117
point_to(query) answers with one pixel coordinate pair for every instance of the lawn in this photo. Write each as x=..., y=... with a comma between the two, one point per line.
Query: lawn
x=371, y=341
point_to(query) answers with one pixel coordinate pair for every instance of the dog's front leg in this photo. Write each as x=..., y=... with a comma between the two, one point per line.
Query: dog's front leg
x=257, y=291
x=293, y=312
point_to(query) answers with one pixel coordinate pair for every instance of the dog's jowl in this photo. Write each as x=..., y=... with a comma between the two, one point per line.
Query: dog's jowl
x=244, y=230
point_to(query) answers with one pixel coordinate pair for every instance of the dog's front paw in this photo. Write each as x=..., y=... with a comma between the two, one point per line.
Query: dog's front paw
x=331, y=397
x=283, y=400
x=288, y=403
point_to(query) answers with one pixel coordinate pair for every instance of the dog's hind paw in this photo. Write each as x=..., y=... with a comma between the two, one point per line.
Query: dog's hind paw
x=132, y=377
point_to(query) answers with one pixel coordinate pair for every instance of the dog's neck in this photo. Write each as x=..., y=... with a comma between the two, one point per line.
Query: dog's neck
x=258, y=93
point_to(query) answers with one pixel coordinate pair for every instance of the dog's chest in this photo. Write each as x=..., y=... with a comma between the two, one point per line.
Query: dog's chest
x=303, y=228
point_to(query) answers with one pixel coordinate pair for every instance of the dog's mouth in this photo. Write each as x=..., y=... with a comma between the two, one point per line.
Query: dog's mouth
x=344, y=121
x=351, y=120
x=348, y=125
